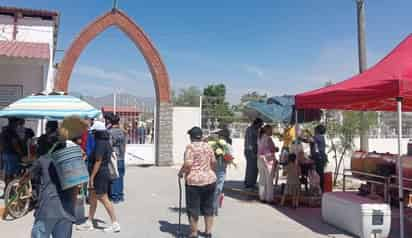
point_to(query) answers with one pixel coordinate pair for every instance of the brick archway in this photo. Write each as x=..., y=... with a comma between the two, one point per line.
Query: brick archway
x=163, y=125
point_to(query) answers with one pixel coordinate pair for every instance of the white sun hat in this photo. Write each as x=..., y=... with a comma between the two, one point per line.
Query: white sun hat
x=98, y=126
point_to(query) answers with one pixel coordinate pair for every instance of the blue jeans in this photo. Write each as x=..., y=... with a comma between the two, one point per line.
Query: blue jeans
x=117, y=186
x=57, y=228
x=220, y=182
x=116, y=189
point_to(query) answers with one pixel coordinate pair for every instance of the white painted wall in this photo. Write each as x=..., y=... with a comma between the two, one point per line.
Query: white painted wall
x=184, y=118
x=386, y=145
x=140, y=154
x=6, y=27
x=39, y=31
x=30, y=76
x=35, y=30
x=29, y=29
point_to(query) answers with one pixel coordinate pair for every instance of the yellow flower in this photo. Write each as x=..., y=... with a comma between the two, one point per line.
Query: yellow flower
x=212, y=143
x=222, y=142
x=219, y=151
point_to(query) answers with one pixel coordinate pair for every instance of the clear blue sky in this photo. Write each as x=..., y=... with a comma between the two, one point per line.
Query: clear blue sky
x=272, y=46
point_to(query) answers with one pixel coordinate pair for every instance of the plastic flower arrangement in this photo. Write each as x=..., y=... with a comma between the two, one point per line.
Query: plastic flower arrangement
x=222, y=152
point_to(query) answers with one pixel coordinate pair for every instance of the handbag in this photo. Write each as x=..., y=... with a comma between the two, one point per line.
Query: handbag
x=113, y=170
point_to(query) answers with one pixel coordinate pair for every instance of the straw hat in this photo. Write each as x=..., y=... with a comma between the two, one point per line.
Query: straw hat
x=75, y=126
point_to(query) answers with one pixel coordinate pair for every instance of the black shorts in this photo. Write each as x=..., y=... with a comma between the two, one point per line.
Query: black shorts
x=199, y=200
x=102, y=183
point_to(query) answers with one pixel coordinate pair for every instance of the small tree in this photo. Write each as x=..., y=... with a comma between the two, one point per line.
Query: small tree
x=189, y=97
x=342, y=129
x=253, y=96
x=214, y=105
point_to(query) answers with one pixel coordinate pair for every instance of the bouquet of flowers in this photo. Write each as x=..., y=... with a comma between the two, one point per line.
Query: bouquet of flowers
x=222, y=151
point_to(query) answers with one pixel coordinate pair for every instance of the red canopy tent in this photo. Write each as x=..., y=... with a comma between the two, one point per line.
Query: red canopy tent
x=387, y=86
x=374, y=90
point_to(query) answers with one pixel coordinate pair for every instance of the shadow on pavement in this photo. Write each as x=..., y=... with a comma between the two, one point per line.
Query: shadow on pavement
x=235, y=189
x=141, y=165
x=172, y=229
x=176, y=209
x=310, y=218
x=97, y=224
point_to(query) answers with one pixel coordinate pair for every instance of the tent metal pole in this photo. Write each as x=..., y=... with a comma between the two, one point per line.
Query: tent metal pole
x=400, y=175
x=360, y=7
x=296, y=122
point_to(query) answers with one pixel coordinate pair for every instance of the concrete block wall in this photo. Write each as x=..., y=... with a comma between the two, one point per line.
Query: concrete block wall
x=164, y=144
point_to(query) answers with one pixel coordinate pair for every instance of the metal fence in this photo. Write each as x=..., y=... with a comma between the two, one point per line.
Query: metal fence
x=136, y=115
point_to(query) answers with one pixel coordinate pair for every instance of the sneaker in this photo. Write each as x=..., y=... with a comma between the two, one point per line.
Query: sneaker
x=87, y=226
x=115, y=227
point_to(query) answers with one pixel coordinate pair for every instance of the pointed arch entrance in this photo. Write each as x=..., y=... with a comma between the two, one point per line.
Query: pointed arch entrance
x=163, y=117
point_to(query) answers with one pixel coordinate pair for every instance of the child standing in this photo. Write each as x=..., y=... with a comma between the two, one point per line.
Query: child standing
x=292, y=181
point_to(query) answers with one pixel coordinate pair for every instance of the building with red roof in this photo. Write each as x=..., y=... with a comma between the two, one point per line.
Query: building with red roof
x=28, y=39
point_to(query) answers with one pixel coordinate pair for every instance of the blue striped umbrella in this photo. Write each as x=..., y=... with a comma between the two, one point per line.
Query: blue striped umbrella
x=54, y=107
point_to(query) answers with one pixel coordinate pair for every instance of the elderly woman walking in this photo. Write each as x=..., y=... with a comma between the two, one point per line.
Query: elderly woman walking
x=198, y=169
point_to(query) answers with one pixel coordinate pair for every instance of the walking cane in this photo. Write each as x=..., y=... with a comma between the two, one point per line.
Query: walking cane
x=179, y=228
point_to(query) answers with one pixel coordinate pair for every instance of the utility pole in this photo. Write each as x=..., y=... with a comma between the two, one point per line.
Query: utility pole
x=114, y=102
x=115, y=4
x=360, y=5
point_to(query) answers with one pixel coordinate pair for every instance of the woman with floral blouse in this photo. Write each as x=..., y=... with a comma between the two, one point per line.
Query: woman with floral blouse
x=198, y=170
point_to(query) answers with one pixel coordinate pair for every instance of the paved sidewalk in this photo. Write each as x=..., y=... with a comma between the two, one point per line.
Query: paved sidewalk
x=150, y=211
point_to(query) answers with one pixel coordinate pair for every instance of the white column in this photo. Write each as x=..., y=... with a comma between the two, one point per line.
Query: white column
x=400, y=174
x=200, y=107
